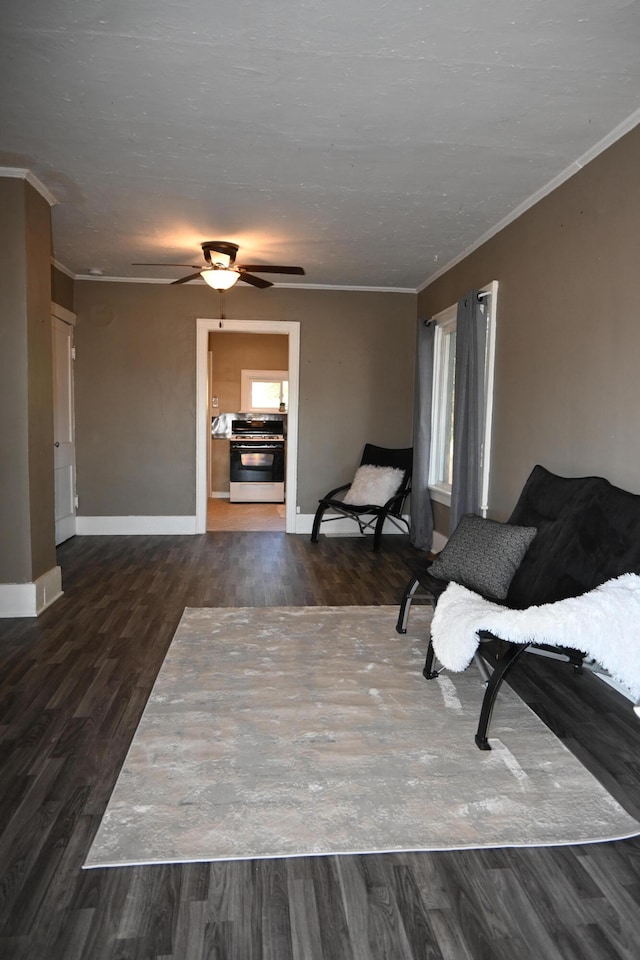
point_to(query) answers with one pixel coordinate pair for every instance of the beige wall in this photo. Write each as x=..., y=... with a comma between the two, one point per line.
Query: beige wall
x=231, y=353
x=15, y=552
x=27, y=548
x=567, y=389
x=40, y=364
x=61, y=289
x=135, y=386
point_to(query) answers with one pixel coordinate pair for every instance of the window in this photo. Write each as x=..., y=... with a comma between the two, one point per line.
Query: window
x=264, y=391
x=443, y=398
x=441, y=470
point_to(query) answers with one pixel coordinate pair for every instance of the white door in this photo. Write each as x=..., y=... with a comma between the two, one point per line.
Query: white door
x=64, y=453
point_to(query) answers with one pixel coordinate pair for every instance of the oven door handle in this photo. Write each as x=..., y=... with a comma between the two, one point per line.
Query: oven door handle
x=256, y=447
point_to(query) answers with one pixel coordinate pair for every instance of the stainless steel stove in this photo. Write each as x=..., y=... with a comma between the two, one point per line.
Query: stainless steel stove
x=254, y=428
x=256, y=460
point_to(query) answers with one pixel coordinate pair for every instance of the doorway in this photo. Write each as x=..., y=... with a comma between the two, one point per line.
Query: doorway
x=222, y=515
x=205, y=327
x=64, y=455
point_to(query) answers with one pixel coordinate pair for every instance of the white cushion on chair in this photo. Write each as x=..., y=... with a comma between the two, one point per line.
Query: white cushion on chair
x=373, y=485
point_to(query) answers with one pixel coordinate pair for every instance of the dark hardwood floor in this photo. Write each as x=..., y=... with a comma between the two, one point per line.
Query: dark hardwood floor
x=73, y=685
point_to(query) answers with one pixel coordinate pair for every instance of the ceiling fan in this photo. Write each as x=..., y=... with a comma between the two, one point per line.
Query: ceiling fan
x=221, y=271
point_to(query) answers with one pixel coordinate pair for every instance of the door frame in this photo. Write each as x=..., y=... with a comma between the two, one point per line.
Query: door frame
x=206, y=326
x=60, y=314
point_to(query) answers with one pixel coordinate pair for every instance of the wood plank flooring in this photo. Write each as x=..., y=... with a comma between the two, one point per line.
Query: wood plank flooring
x=223, y=515
x=73, y=684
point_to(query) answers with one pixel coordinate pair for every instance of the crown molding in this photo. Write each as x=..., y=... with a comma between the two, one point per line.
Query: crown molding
x=61, y=267
x=23, y=173
x=278, y=286
x=354, y=289
x=575, y=167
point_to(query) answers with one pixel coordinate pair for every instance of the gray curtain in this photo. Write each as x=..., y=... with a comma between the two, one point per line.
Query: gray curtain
x=421, y=532
x=468, y=416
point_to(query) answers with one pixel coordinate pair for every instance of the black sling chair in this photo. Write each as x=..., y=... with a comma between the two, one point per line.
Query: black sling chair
x=369, y=516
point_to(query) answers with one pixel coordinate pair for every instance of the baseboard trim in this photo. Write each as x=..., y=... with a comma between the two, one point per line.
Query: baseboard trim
x=343, y=527
x=30, y=599
x=149, y=526
x=439, y=542
x=134, y=526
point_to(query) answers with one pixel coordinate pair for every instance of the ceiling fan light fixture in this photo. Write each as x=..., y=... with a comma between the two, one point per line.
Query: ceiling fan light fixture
x=221, y=272
x=220, y=278
x=219, y=259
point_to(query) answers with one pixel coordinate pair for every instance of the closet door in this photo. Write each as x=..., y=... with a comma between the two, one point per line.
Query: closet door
x=63, y=430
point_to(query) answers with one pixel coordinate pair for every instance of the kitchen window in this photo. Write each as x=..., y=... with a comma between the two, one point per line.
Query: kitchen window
x=264, y=391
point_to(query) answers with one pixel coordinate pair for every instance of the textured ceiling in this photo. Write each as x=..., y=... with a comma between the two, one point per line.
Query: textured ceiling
x=371, y=142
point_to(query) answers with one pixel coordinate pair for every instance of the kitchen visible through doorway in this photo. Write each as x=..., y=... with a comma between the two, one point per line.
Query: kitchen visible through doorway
x=225, y=516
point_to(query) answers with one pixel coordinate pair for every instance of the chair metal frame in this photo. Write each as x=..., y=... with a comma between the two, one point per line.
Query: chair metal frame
x=370, y=516
x=493, y=668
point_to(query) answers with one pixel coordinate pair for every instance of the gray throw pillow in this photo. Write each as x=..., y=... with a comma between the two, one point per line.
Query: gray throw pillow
x=483, y=555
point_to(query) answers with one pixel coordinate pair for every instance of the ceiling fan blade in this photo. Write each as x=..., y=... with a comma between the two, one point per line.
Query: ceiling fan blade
x=255, y=281
x=194, y=265
x=192, y=276
x=269, y=268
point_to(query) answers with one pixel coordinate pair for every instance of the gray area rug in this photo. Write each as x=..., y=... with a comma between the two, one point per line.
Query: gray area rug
x=293, y=731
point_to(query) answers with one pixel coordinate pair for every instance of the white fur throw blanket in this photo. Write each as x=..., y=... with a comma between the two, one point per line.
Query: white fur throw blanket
x=604, y=623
